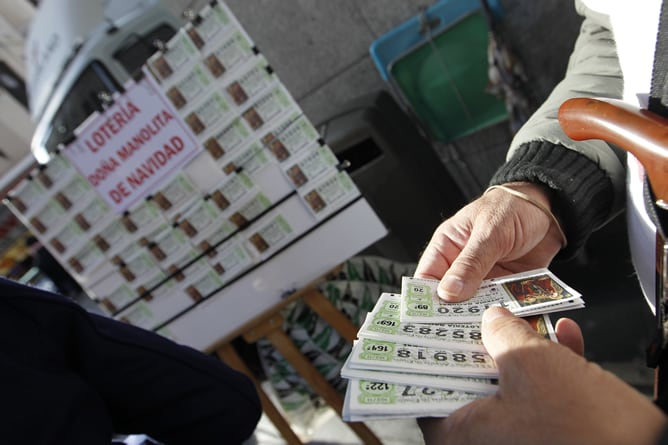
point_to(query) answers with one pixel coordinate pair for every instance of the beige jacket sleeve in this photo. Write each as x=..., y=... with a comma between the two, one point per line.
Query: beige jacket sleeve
x=593, y=71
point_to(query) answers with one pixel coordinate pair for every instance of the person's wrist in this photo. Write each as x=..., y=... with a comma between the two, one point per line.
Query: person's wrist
x=538, y=196
x=537, y=191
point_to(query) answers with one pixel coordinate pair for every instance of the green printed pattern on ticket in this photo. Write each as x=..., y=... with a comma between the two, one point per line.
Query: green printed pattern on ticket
x=385, y=315
x=376, y=393
x=383, y=324
x=377, y=350
x=388, y=307
x=418, y=299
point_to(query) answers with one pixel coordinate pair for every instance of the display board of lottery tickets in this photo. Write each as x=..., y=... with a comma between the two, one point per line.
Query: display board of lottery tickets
x=200, y=196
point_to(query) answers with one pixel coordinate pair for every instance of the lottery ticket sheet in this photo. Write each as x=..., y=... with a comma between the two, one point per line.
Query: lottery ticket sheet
x=375, y=354
x=385, y=355
x=439, y=381
x=383, y=323
x=534, y=292
x=407, y=368
x=387, y=380
x=367, y=400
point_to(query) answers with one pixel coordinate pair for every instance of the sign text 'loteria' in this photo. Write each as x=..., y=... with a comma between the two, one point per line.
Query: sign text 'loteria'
x=126, y=151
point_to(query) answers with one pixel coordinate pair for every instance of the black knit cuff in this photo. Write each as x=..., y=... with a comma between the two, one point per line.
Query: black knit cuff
x=582, y=193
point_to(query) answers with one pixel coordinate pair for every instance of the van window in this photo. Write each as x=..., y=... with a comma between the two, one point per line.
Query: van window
x=138, y=49
x=79, y=103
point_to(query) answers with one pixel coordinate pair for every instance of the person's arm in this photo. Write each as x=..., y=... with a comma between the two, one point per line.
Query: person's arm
x=585, y=179
x=167, y=391
x=581, y=183
x=147, y=383
x=548, y=394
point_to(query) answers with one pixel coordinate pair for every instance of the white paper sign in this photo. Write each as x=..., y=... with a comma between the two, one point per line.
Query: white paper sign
x=132, y=146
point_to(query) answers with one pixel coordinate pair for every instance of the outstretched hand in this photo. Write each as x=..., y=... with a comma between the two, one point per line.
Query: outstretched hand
x=497, y=234
x=548, y=394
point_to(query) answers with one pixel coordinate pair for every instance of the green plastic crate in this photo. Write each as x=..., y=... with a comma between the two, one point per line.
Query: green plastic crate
x=444, y=79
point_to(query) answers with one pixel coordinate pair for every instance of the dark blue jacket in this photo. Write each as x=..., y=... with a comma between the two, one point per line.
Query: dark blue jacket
x=70, y=377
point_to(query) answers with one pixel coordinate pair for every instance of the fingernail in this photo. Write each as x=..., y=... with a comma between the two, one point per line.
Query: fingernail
x=450, y=287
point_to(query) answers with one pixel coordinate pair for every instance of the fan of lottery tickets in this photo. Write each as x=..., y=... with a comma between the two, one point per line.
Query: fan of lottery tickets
x=418, y=356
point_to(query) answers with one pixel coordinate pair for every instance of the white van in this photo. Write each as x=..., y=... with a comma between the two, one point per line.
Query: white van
x=79, y=50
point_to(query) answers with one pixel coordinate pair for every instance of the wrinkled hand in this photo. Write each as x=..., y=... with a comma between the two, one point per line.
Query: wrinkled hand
x=497, y=234
x=548, y=394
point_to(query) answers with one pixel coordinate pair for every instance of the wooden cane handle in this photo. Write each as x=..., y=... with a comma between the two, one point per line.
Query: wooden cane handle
x=640, y=132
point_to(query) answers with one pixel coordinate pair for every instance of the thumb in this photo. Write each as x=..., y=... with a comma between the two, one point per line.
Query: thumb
x=503, y=332
x=570, y=335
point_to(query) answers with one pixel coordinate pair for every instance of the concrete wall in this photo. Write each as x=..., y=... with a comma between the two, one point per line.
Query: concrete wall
x=320, y=50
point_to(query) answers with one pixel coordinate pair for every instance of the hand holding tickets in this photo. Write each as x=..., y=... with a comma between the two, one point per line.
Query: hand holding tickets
x=418, y=356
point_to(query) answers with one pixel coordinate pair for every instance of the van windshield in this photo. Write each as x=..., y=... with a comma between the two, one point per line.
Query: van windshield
x=80, y=102
x=83, y=99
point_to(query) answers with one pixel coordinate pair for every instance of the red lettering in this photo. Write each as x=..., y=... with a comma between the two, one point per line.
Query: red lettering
x=92, y=148
x=177, y=143
x=121, y=117
x=120, y=121
x=131, y=110
x=118, y=193
x=103, y=170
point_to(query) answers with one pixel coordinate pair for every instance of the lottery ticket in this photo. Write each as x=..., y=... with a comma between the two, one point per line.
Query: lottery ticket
x=372, y=354
x=367, y=399
x=383, y=323
x=467, y=384
x=578, y=303
x=533, y=292
x=411, y=368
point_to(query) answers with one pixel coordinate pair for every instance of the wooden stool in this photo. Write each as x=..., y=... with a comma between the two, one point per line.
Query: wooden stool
x=270, y=326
